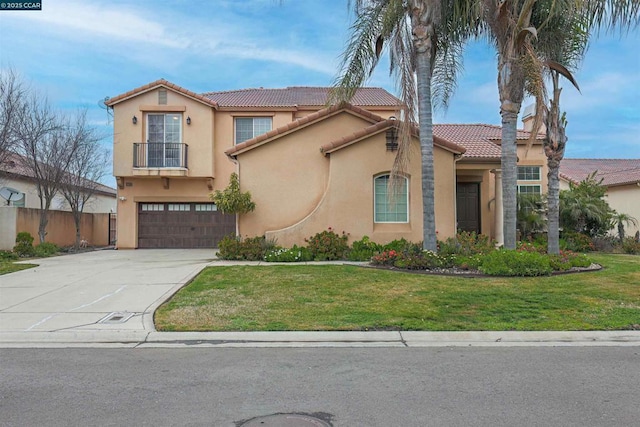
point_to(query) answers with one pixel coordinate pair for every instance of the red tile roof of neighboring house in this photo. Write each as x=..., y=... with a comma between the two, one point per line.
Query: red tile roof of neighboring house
x=380, y=127
x=297, y=96
x=612, y=171
x=480, y=140
x=14, y=166
x=159, y=83
x=306, y=120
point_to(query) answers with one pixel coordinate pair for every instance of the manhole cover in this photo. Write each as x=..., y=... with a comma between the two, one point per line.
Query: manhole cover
x=287, y=420
x=116, y=317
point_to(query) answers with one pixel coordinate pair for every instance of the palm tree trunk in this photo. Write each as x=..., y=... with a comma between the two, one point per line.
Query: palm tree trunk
x=422, y=30
x=509, y=159
x=553, y=204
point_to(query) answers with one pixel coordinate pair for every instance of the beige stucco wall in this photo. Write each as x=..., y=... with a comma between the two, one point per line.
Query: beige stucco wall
x=314, y=192
x=626, y=199
x=198, y=136
x=534, y=156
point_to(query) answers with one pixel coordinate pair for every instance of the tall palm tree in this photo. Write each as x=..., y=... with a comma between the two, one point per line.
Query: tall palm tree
x=422, y=36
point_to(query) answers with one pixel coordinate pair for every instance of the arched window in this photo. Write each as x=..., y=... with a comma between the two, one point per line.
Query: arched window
x=390, y=207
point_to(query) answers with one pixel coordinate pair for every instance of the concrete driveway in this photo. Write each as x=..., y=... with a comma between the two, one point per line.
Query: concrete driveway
x=102, y=290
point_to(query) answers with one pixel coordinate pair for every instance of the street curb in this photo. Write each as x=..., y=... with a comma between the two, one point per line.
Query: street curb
x=411, y=339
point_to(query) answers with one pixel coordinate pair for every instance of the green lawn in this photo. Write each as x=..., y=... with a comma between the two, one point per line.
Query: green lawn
x=321, y=297
x=7, y=267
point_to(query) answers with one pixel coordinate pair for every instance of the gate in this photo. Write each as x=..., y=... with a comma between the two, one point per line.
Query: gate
x=112, y=229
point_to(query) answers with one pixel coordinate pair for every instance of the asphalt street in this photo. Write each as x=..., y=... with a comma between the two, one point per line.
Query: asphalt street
x=445, y=386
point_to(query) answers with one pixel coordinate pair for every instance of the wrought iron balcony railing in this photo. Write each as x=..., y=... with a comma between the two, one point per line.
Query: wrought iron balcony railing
x=160, y=155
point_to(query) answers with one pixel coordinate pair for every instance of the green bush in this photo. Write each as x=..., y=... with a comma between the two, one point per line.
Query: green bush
x=515, y=263
x=294, y=254
x=403, y=246
x=363, y=250
x=8, y=256
x=425, y=260
x=630, y=246
x=469, y=262
x=576, y=242
x=250, y=249
x=386, y=257
x=328, y=245
x=24, y=245
x=466, y=243
x=46, y=249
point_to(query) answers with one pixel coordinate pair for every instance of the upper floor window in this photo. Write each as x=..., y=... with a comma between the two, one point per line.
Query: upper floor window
x=250, y=127
x=391, y=207
x=530, y=189
x=164, y=137
x=529, y=173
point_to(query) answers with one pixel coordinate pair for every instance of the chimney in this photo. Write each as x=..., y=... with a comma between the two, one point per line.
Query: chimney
x=528, y=116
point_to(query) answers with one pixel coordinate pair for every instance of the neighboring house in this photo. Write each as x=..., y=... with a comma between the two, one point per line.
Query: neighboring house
x=308, y=167
x=16, y=177
x=620, y=176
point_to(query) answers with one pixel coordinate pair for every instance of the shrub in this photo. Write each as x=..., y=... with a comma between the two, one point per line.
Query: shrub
x=403, y=246
x=250, y=249
x=46, y=249
x=8, y=256
x=470, y=262
x=576, y=242
x=425, y=260
x=328, y=245
x=295, y=254
x=386, y=257
x=606, y=244
x=515, y=263
x=630, y=246
x=24, y=245
x=466, y=243
x=363, y=250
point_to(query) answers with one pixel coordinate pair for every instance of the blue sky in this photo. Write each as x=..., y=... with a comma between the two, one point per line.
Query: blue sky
x=78, y=52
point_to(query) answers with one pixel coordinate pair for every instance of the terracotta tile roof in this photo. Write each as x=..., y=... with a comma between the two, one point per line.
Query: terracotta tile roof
x=301, y=122
x=480, y=140
x=297, y=96
x=612, y=171
x=159, y=83
x=14, y=166
x=380, y=127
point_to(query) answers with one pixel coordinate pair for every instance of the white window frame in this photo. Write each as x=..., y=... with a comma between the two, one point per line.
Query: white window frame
x=386, y=177
x=529, y=170
x=254, y=132
x=169, y=159
x=152, y=207
x=520, y=186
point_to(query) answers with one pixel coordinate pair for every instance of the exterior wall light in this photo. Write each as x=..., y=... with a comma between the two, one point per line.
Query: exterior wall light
x=134, y=120
x=188, y=120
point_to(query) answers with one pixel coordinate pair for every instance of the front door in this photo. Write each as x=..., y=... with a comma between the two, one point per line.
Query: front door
x=468, y=206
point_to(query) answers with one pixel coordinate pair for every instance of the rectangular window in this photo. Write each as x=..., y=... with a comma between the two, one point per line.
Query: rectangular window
x=152, y=207
x=529, y=189
x=390, y=207
x=179, y=207
x=164, y=137
x=250, y=127
x=206, y=207
x=529, y=173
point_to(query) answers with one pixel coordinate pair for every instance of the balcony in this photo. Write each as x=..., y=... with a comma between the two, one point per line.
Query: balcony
x=158, y=159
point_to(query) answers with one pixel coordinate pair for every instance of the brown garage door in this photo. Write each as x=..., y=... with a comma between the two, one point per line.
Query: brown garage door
x=182, y=225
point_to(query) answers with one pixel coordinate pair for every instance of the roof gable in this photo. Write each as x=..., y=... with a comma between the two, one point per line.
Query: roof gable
x=157, y=84
x=301, y=123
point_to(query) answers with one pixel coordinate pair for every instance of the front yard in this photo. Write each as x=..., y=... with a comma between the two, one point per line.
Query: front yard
x=337, y=297
x=7, y=267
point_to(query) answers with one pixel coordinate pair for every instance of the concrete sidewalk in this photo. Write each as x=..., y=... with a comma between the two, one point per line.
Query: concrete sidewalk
x=108, y=298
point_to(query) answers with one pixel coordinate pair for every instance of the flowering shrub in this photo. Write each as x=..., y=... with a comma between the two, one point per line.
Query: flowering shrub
x=577, y=242
x=425, y=260
x=404, y=246
x=294, y=254
x=328, y=245
x=630, y=245
x=387, y=257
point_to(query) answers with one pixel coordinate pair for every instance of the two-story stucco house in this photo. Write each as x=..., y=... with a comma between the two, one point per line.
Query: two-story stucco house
x=307, y=166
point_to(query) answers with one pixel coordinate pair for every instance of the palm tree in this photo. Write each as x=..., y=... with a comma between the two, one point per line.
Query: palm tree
x=513, y=27
x=422, y=36
x=620, y=219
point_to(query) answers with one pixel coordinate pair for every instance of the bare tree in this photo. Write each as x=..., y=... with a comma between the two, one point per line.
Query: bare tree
x=87, y=166
x=47, y=142
x=13, y=94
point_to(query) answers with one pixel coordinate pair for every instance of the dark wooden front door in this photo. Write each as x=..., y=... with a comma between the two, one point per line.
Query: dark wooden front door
x=468, y=206
x=182, y=225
